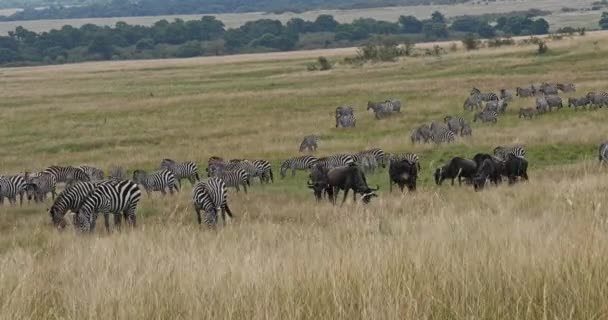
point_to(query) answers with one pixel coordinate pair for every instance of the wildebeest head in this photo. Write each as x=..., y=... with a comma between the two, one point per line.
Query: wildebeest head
x=318, y=182
x=439, y=175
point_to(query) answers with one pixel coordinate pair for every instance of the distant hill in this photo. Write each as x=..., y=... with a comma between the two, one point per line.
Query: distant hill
x=127, y=8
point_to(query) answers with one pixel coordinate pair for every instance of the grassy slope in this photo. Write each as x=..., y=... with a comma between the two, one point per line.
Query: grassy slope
x=530, y=251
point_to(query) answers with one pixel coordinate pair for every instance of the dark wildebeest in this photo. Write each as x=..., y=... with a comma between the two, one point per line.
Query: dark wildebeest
x=491, y=171
x=403, y=173
x=456, y=168
x=319, y=182
x=515, y=167
x=347, y=178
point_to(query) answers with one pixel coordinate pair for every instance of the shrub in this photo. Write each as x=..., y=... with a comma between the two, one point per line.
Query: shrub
x=470, y=42
x=324, y=64
x=542, y=47
x=501, y=42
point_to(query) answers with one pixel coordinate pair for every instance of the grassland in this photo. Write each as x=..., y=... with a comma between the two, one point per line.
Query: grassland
x=534, y=251
x=232, y=20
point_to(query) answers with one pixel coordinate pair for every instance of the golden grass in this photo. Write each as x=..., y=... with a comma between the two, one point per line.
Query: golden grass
x=532, y=251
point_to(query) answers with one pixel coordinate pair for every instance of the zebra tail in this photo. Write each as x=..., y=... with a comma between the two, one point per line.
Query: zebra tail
x=271, y=175
x=198, y=178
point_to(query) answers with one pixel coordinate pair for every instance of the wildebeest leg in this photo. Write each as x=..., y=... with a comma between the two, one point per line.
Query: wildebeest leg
x=525, y=176
x=345, y=194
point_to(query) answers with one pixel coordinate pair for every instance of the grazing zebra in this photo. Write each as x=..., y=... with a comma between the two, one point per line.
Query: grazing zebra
x=264, y=170
x=466, y=130
x=310, y=143
x=367, y=163
x=443, y=135
x=486, y=116
x=603, y=156
x=233, y=179
x=502, y=152
x=181, y=170
x=381, y=110
x=488, y=96
x=348, y=121
x=117, y=173
x=525, y=92
x=542, y=105
x=10, y=187
x=377, y=153
x=505, y=95
x=70, y=199
x=336, y=160
x=499, y=106
x=245, y=165
x=157, y=181
x=472, y=103
x=39, y=186
x=455, y=123
x=343, y=111
x=297, y=163
x=566, y=87
x=211, y=196
x=577, y=102
x=117, y=198
x=409, y=157
x=548, y=89
x=94, y=174
x=421, y=134
x=598, y=99
x=68, y=175
x=554, y=101
x=396, y=104
x=527, y=113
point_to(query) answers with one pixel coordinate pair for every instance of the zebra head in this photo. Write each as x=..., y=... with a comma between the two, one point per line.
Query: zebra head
x=57, y=217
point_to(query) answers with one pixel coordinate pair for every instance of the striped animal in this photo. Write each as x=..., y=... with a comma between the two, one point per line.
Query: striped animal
x=603, y=154
x=39, y=186
x=443, y=135
x=117, y=173
x=67, y=175
x=471, y=103
x=554, y=101
x=211, y=196
x=245, y=165
x=548, y=88
x=505, y=95
x=455, y=123
x=10, y=187
x=156, y=181
x=233, y=179
x=488, y=96
x=598, y=99
x=309, y=143
x=577, y=102
x=264, y=170
x=486, y=116
x=421, y=134
x=71, y=199
x=181, y=170
x=348, y=121
x=95, y=174
x=344, y=111
x=336, y=160
x=381, y=110
x=527, y=113
x=502, y=152
x=377, y=153
x=566, y=87
x=297, y=163
x=119, y=199
x=524, y=92
x=542, y=105
x=466, y=130
x=499, y=106
x=409, y=157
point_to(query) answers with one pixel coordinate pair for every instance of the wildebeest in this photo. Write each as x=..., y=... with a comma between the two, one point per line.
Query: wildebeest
x=404, y=174
x=319, y=182
x=349, y=178
x=515, y=167
x=488, y=167
x=457, y=168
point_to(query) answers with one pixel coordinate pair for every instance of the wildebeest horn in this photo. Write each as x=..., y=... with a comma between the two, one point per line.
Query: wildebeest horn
x=377, y=188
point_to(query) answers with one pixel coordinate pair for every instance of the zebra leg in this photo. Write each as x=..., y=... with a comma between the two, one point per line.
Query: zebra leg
x=117, y=221
x=245, y=187
x=227, y=210
x=293, y=172
x=198, y=215
x=106, y=221
x=20, y=199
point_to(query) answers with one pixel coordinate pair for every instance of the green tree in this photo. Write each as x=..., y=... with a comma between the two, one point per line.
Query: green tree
x=438, y=17
x=189, y=49
x=470, y=42
x=540, y=26
x=486, y=31
x=102, y=46
x=604, y=21
x=409, y=24
x=7, y=55
x=326, y=23
x=144, y=44
x=434, y=30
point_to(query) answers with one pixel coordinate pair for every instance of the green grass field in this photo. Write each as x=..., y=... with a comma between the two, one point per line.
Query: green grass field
x=533, y=251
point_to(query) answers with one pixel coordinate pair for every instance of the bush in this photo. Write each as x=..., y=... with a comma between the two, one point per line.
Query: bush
x=189, y=49
x=542, y=48
x=324, y=64
x=500, y=42
x=470, y=42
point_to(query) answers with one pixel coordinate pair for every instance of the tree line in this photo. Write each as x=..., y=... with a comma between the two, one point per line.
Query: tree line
x=209, y=36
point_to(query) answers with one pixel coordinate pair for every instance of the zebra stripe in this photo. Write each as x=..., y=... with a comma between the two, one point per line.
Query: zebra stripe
x=12, y=186
x=603, y=152
x=233, y=179
x=297, y=163
x=455, y=123
x=39, y=186
x=119, y=199
x=381, y=109
x=245, y=165
x=443, y=135
x=566, y=87
x=336, y=160
x=309, y=143
x=486, y=116
x=117, y=173
x=264, y=170
x=377, y=153
x=211, y=197
x=409, y=157
x=348, y=121
x=70, y=199
x=502, y=152
x=488, y=96
x=598, y=99
x=157, y=181
x=181, y=170
x=94, y=174
x=68, y=175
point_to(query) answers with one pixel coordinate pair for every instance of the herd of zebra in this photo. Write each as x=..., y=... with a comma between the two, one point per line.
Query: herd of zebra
x=345, y=115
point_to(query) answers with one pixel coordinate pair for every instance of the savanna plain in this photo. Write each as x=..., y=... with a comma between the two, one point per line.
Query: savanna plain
x=536, y=250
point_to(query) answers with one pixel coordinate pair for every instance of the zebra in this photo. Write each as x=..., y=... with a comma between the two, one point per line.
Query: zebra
x=421, y=134
x=466, y=130
x=489, y=96
x=603, y=156
x=94, y=174
x=118, y=198
x=336, y=160
x=472, y=103
x=598, y=99
x=68, y=175
x=245, y=165
x=310, y=143
x=181, y=170
x=566, y=87
x=348, y=121
x=525, y=92
x=381, y=110
x=577, y=102
x=396, y=105
x=70, y=199
x=157, y=181
x=443, y=135
x=542, y=105
x=409, y=157
x=264, y=170
x=39, y=186
x=527, y=113
x=343, y=111
x=234, y=179
x=502, y=152
x=211, y=196
x=505, y=95
x=377, y=153
x=117, y=173
x=499, y=106
x=486, y=116
x=297, y=163
x=367, y=163
x=548, y=89
x=554, y=101
x=455, y=123
x=10, y=187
